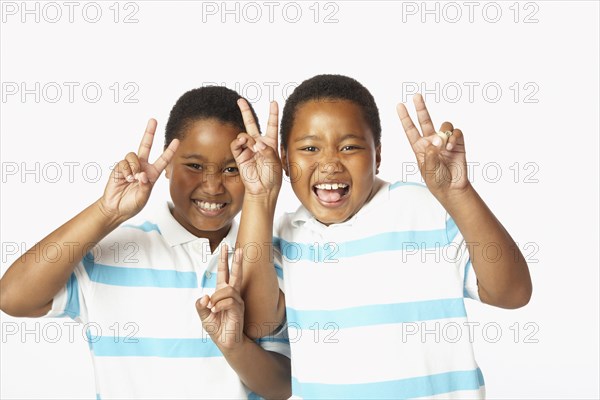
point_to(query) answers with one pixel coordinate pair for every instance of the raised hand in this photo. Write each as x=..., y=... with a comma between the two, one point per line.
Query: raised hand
x=441, y=160
x=222, y=314
x=257, y=156
x=132, y=179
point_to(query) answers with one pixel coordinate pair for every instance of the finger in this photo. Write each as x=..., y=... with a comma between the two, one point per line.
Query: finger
x=225, y=305
x=456, y=141
x=147, y=139
x=237, y=271
x=248, y=140
x=440, y=139
x=238, y=145
x=432, y=164
x=202, y=307
x=134, y=163
x=142, y=177
x=223, y=268
x=423, y=115
x=412, y=133
x=447, y=126
x=242, y=148
x=248, y=118
x=123, y=171
x=273, y=123
x=226, y=292
x=165, y=158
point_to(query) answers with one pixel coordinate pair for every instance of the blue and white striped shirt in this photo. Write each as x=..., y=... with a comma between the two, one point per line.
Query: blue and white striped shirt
x=375, y=305
x=136, y=292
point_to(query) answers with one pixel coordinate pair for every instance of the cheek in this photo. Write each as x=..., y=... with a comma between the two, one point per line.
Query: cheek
x=364, y=166
x=235, y=187
x=181, y=180
x=182, y=183
x=305, y=167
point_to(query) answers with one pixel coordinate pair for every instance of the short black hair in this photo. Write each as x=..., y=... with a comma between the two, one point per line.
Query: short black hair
x=209, y=102
x=331, y=87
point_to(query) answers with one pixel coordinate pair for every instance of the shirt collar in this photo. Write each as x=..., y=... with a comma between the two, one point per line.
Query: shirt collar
x=176, y=235
x=303, y=217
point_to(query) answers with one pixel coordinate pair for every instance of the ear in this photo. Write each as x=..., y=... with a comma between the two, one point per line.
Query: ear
x=377, y=159
x=168, y=170
x=284, y=160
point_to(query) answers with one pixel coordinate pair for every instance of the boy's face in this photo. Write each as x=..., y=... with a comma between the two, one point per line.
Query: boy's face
x=331, y=159
x=205, y=185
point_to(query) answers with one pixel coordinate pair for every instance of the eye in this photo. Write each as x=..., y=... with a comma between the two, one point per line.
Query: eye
x=350, y=147
x=231, y=170
x=195, y=166
x=309, y=148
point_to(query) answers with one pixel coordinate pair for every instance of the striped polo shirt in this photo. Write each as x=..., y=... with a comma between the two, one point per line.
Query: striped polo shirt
x=135, y=293
x=375, y=305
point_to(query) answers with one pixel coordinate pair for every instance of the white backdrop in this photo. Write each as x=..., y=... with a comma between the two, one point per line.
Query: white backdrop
x=80, y=80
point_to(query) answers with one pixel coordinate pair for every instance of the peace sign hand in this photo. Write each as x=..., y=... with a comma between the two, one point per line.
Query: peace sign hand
x=132, y=179
x=222, y=314
x=441, y=159
x=257, y=156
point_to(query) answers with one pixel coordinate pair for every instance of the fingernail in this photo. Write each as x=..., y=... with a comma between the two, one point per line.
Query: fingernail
x=129, y=178
x=437, y=141
x=214, y=309
x=449, y=146
x=209, y=305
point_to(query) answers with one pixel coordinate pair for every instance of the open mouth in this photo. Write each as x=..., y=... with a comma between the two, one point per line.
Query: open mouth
x=209, y=208
x=331, y=193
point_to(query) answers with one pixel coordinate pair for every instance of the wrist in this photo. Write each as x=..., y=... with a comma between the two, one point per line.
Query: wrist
x=267, y=199
x=109, y=217
x=457, y=198
x=237, y=349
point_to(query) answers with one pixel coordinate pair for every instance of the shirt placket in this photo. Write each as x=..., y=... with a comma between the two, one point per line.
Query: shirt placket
x=202, y=265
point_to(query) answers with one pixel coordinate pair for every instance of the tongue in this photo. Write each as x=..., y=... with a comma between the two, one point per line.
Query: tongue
x=330, y=196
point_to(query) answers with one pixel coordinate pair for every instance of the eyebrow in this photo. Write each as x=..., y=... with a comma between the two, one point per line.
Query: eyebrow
x=201, y=158
x=352, y=136
x=192, y=156
x=307, y=137
x=345, y=137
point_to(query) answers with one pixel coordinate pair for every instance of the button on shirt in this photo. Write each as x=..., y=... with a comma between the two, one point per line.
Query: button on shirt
x=374, y=303
x=136, y=292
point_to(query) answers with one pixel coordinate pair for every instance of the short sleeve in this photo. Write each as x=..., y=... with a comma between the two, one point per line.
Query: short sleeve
x=277, y=342
x=70, y=301
x=277, y=258
x=459, y=252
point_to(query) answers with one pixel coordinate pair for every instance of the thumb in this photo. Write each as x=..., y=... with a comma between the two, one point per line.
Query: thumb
x=202, y=307
x=142, y=194
x=145, y=184
x=431, y=167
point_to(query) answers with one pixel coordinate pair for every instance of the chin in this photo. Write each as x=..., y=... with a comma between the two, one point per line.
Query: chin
x=328, y=219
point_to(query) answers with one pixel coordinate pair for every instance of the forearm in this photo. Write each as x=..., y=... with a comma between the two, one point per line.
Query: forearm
x=266, y=373
x=29, y=285
x=502, y=272
x=260, y=287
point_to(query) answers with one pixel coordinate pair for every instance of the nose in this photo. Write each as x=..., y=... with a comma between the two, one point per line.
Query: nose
x=330, y=163
x=212, y=181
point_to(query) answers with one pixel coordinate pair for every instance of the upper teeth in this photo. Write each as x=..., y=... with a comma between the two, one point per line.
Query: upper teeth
x=332, y=186
x=209, y=206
